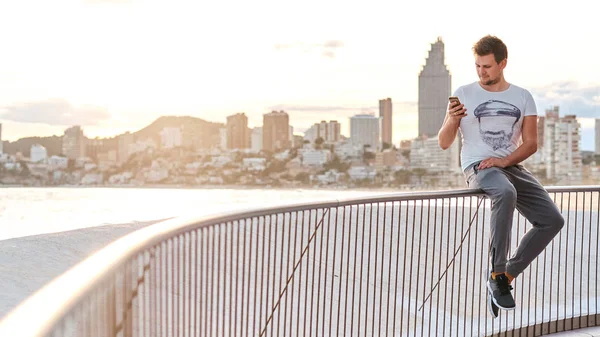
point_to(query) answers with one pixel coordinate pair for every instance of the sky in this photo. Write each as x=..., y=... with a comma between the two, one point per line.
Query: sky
x=117, y=65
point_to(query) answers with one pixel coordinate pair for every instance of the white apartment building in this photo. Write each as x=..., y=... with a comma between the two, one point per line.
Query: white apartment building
x=311, y=157
x=562, y=149
x=57, y=163
x=362, y=172
x=347, y=150
x=365, y=130
x=427, y=154
x=38, y=154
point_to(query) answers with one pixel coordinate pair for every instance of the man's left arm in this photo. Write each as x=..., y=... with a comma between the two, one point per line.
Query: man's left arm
x=524, y=151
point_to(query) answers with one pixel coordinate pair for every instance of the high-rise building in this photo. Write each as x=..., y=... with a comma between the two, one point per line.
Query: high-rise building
x=73, y=143
x=364, y=130
x=434, y=89
x=562, y=152
x=334, y=131
x=276, y=131
x=385, y=114
x=597, y=137
x=256, y=140
x=329, y=131
x=238, y=134
x=537, y=160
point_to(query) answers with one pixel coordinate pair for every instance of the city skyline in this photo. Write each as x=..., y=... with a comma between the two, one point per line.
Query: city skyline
x=120, y=77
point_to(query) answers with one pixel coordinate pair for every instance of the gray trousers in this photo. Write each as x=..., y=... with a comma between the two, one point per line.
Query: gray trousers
x=509, y=188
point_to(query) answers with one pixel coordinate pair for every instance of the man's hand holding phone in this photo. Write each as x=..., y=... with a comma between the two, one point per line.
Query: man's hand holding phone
x=455, y=108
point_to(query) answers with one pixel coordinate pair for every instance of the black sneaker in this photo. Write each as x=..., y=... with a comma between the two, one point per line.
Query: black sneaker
x=492, y=307
x=499, y=290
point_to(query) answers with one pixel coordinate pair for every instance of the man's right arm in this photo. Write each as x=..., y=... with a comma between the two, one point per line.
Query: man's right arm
x=449, y=128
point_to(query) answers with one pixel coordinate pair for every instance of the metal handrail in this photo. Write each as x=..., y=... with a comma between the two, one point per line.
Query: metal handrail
x=38, y=314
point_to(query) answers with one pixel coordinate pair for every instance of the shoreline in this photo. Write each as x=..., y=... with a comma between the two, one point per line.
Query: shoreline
x=220, y=187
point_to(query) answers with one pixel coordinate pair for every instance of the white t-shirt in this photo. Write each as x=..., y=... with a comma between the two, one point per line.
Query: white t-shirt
x=493, y=124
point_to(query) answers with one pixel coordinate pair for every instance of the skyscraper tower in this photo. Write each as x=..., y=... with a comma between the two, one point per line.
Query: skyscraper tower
x=434, y=89
x=73, y=143
x=276, y=131
x=385, y=114
x=238, y=134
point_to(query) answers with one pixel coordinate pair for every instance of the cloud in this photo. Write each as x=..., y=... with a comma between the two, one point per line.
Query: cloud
x=572, y=98
x=54, y=112
x=327, y=49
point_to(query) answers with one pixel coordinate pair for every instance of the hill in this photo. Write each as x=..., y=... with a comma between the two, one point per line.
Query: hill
x=195, y=132
x=52, y=144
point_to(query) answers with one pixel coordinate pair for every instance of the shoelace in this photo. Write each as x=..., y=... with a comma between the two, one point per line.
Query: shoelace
x=503, y=286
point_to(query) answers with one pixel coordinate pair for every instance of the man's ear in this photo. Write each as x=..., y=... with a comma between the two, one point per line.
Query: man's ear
x=503, y=64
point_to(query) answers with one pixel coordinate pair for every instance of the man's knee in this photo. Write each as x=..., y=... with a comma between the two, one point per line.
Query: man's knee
x=554, y=220
x=505, y=193
x=558, y=222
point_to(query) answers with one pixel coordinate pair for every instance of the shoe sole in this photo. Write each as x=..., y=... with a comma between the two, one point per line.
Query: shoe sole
x=490, y=308
x=493, y=299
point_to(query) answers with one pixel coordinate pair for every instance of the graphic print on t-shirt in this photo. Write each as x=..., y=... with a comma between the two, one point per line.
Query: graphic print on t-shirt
x=497, y=120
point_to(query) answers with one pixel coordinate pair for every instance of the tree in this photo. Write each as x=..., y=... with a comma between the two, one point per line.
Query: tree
x=367, y=155
x=336, y=164
x=25, y=172
x=275, y=166
x=70, y=165
x=402, y=177
x=302, y=177
x=420, y=172
x=319, y=142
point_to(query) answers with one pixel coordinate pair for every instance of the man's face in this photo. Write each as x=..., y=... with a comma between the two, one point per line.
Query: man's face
x=488, y=70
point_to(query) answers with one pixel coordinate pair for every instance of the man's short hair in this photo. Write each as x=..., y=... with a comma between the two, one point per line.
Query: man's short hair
x=491, y=45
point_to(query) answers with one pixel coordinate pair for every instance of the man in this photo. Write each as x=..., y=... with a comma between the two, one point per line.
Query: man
x=497, y=136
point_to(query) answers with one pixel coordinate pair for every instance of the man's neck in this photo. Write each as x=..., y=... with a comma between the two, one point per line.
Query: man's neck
x=496, y=87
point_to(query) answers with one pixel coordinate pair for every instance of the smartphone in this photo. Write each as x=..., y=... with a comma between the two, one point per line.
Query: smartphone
x=454, y=101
